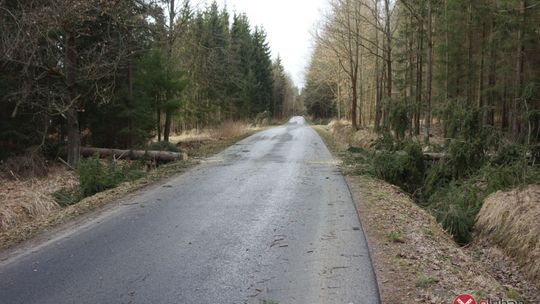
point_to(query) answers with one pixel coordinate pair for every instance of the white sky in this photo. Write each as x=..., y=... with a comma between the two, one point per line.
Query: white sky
x=288, y=23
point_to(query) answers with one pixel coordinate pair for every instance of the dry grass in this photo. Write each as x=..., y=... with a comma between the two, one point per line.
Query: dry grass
x=27, y=207
x=194, y=134
x=27, y=199
x=345, y=136
x=226, y=130
x=511, y=221
x=229, y=129
x=31, y=164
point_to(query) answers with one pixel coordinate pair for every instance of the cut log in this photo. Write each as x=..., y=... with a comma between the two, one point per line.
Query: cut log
x=160, y=156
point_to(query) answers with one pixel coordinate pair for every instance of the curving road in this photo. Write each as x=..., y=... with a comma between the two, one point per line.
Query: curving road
x=269, y=220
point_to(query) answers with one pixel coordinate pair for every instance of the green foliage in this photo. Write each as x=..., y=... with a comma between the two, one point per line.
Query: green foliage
x=454, y=187
x=438, y=175
x=384, y=141
x=455, y=207
x=399, y=119
x=456, y=203
x=508, y=154
x=404, y=168
x=67, y=197
x=465, y=157
x=95, y=176
x=318, y=99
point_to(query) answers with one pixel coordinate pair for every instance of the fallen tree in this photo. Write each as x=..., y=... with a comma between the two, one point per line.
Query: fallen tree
x=160, y=156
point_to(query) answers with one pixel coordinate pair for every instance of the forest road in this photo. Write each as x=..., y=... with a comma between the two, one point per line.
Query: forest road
x=269, y=220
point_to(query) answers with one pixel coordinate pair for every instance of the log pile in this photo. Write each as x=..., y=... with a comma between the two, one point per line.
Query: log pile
x=159, y=156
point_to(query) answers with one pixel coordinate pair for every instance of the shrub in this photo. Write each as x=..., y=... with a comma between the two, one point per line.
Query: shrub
x=455, y=208
x=95, y=176
x=67, y=196
x=465, y=157
x=384, y=142
x=438, y=175
x=509, y=154
x=504, y=177
x=399, y=119
x=404, y=168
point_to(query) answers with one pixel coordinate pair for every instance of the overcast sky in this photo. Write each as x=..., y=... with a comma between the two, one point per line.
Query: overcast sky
x=288, y=24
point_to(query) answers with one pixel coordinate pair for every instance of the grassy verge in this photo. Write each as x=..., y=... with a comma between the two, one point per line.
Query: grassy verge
x=28, y=229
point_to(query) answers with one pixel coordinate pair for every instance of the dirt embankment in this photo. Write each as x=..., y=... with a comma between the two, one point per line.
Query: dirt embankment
x=415, y=259
x=507, y=238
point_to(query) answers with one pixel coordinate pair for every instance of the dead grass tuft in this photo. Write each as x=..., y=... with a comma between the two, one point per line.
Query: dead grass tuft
x=190, y=135
x=226, y=130
x=510, y=220
x=229, y=129
x=24, y=200
x=28, y=165
x=346, y=137
x=342, y=131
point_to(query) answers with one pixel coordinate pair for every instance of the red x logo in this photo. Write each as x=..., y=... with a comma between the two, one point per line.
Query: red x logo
x=464, y=299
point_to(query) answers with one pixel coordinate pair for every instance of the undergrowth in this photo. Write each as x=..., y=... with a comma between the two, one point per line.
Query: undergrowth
x=96, y=176
x=472, y=165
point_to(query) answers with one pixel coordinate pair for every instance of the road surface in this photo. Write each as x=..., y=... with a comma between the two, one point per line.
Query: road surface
x=269, y=220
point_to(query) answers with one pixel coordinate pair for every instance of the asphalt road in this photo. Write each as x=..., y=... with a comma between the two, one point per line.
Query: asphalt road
x=269, y=220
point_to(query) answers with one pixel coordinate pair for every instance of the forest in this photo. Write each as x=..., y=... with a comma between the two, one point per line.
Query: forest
x=117, y=73
x=449, y=88
x=406, y=64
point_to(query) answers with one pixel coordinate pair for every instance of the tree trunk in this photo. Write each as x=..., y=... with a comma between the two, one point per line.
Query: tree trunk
x=427, y=117
x=161, y=156
x=167, y=127
x=519, y=70
x=73, y=132
x=158, y=121
x=419, y=80
x=492, y=78
x=481, y=100
x=354, y=81
x=469, y=56
x=388, y=33
x=168, y=112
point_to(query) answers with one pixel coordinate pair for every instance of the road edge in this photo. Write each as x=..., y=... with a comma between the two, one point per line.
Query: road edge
x=41, y=230
x=331, y=148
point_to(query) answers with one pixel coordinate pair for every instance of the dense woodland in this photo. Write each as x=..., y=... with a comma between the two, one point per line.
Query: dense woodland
x=118, y=73
x=404, y=65
x=451, y=89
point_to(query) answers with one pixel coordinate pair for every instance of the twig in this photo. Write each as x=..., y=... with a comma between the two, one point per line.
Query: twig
x=15, y=176
x=65, y=163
